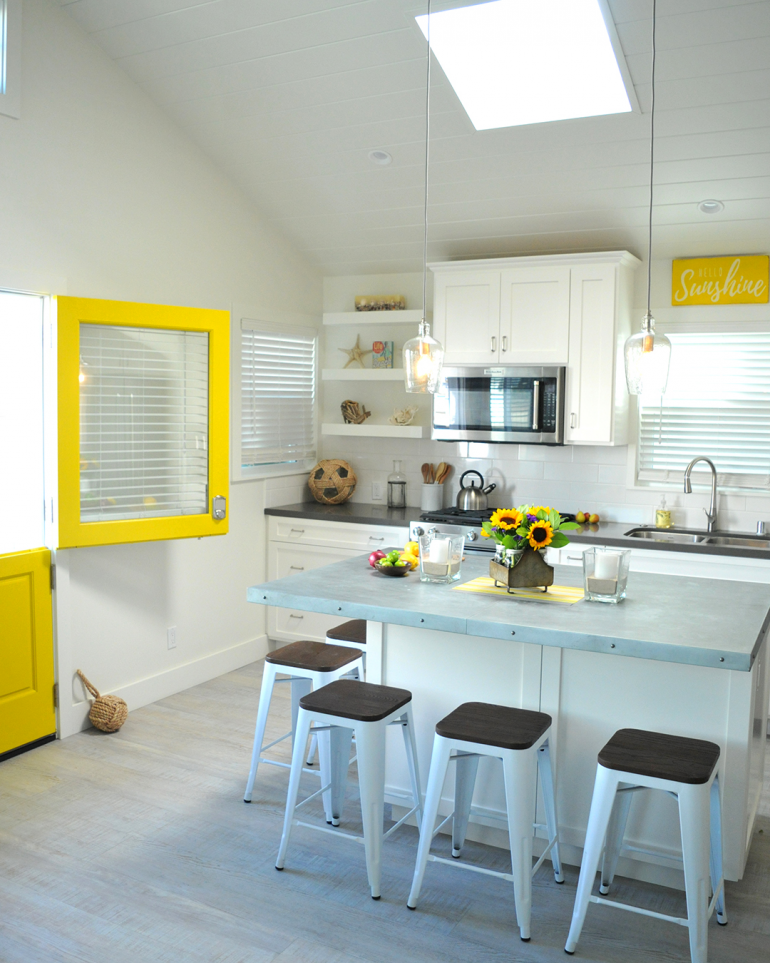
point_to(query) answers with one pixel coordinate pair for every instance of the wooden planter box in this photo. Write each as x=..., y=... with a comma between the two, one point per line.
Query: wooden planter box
x=530, y=571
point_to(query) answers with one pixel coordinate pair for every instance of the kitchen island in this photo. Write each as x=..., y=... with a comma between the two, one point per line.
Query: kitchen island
x=680, y=655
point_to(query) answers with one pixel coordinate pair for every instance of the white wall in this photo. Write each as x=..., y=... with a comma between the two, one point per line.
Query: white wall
x=571, y=478
x=101, y=192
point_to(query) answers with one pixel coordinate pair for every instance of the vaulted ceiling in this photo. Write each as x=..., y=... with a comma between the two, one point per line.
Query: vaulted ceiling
x=289, y=96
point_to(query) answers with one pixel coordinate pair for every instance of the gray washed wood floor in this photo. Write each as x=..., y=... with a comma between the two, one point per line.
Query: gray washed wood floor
x=136, y=847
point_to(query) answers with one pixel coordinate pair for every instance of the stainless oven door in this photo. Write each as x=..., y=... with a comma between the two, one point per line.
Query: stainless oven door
x=522, y=405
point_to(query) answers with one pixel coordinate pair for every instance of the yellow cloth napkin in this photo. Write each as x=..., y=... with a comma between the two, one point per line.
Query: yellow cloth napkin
x=484, y=585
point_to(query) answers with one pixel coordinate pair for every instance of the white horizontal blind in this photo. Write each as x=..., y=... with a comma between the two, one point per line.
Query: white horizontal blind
x=278, y=392
x=717, y=404
x=143, y=422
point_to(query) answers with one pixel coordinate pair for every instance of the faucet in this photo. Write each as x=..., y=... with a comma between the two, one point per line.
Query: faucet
x=711, y=512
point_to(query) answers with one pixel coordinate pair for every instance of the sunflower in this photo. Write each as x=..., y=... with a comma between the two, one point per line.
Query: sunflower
x=540, y=534
x=506, y=518
x=534, y=509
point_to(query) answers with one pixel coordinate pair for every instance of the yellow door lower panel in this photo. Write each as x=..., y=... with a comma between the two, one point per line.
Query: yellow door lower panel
x=27, y=709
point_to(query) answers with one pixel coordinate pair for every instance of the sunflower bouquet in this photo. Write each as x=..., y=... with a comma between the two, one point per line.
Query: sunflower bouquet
x=528, y=527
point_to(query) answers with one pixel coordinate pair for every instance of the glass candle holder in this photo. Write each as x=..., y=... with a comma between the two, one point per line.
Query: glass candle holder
x=441, y=557
x=605, y=574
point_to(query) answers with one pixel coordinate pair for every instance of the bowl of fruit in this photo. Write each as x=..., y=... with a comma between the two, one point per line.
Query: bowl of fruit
x=396, y=564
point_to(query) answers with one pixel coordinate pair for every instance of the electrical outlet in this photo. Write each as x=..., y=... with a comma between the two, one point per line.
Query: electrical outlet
x=171, y=637
x=377, y=491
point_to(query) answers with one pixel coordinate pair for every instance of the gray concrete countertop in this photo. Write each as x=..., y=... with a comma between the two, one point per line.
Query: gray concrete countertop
x=603, y=533
x=695, y=621
x=351, y=512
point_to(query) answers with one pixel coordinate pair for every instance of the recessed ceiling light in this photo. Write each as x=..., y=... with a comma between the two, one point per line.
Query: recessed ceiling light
x=711, y=207
x=380, y=157
x=515, y=62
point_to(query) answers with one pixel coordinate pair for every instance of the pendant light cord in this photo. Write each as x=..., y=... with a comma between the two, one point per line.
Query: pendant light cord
x=652, y=161
x=425, y=209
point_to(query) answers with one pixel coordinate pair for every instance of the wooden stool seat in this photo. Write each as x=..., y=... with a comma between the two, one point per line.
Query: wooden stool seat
x=353, y=631
x=362, y=701
x=660, y=755
x=314, y=656
x=491, y=725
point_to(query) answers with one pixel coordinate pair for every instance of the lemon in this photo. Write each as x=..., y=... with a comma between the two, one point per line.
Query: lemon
x=412, y=548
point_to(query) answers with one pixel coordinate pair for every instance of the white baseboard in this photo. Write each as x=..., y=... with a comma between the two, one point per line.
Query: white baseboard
x=74, y=718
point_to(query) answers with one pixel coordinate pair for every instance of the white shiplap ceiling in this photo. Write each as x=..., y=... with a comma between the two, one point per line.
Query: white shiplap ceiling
x=288, y=96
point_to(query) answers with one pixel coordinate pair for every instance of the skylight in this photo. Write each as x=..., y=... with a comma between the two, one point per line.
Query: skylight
x=514, y=62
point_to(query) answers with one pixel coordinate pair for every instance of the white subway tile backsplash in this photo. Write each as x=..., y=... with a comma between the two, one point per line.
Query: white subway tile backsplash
x=611, y=474
x=574, y=473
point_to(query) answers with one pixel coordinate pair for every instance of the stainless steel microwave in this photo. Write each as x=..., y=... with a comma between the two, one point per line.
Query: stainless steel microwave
x=511, y=404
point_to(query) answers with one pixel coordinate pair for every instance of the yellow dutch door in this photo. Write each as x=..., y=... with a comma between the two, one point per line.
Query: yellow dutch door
x=27, y=710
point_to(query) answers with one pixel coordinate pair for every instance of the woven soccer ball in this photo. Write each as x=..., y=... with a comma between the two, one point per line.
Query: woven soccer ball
x=332, y=481
x=108, y=712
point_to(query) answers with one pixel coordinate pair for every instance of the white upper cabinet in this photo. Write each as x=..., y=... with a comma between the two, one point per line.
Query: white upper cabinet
x=466, y=315
x=534, y=300
x=566, y=309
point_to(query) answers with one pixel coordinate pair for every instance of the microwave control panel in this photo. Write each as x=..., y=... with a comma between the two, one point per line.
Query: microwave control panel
x=548, y=420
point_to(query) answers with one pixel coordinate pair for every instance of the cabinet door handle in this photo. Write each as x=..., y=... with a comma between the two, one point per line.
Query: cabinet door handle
x=376, y=538
x=505, y=342
x=574, y=558
x=573, y=420
x=293, y=616
x=493, y=345
x=297, y=568
x=299, y=531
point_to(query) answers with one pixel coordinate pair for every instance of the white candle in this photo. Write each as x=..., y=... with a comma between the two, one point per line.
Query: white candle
x=439, y=551
x=606, y=565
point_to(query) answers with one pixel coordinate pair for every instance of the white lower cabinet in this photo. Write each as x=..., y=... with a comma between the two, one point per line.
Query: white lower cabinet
x=299, y=545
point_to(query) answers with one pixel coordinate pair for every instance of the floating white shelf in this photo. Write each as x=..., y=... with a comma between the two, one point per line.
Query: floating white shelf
x=362, y=374
x=372, y=317
x=375, y=431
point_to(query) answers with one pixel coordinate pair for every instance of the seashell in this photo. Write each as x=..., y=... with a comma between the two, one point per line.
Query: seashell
x=403, y=416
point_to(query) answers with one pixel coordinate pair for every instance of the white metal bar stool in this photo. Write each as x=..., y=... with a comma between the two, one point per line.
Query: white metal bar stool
x=519, y=738
x=353, y=635
x=308, y=665
x=634, y=760
x=343, y=708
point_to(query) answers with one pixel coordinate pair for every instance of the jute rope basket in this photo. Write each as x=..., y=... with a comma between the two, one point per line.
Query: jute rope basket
x=108, y=712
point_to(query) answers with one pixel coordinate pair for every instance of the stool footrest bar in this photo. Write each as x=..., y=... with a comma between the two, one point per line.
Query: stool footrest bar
x=400, y=822
x=639, y=910
x=313, y=795
x=331, y=832
x=469, y=866
x=545, y=852
x=441, y=825
x=276, y=741
x=285, y=765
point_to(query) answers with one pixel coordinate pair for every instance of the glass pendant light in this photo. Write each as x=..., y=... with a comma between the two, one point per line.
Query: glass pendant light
x=647, y=354
x=424, y=355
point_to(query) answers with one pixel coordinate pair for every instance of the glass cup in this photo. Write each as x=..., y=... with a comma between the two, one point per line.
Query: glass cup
x=605, y=574
x=441, y=557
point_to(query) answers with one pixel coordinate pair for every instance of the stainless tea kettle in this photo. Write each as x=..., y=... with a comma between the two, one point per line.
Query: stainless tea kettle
x=473, y=498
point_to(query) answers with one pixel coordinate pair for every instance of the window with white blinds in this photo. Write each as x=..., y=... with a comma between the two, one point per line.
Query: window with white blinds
x=717, y=404
x=278, y=395
x=144, y=422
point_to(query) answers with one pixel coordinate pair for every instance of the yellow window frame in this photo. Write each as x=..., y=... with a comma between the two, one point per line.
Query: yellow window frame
x=70, y=314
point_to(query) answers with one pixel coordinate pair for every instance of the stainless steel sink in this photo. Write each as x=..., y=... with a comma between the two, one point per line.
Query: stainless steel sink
x=680, y=536
x=689, y=536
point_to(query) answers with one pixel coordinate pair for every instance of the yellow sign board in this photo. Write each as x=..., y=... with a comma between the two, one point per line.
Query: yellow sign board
x=737, y=279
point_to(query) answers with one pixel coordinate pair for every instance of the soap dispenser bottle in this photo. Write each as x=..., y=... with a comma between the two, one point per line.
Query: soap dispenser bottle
x=396, y=487
x=662, y=515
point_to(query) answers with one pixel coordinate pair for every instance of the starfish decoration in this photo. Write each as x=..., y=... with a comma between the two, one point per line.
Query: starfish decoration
x=356, y=353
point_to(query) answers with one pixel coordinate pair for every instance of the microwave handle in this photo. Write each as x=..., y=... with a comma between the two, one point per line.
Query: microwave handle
x=536, y=405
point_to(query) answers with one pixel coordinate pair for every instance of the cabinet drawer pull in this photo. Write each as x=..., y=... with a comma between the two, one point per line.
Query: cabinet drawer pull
x=505, y=342
x=299, y=531
x=574, y=558
x=297, y=568
x=376, y=538
x=493, y=345
x=293, y=616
